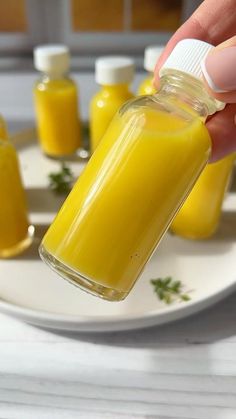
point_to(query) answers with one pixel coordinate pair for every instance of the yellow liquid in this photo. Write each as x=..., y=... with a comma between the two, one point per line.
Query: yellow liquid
x=57, y=117
x=103, y=107
x=14, y=225
x=127, y=196
x=3, y=129
x=146, y=87
x=199, y=216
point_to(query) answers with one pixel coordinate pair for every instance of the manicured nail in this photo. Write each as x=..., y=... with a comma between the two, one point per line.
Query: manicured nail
x=219, y=69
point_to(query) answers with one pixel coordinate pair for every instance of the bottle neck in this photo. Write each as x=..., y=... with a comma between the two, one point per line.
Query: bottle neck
x=188, y=93
x=53, y=76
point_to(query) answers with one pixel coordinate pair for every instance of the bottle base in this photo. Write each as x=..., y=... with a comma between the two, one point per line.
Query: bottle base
x=79, y=280
x=63, y=158
x=194, y=236
x=19, y=247
x=80, y=154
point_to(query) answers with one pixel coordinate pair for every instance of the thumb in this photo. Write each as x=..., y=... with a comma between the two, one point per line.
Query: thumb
x=219, y=70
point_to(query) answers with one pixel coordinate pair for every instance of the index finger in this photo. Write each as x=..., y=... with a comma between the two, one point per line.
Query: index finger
x=213, y=22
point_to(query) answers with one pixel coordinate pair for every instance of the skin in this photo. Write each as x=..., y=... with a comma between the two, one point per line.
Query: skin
x=213, y=22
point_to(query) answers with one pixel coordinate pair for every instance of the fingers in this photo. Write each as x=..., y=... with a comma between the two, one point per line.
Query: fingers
x=190, y=29
x=222, y=129
x=219, y=70
x=214, y=21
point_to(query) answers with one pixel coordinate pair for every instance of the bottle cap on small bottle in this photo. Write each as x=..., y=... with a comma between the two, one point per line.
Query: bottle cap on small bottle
x=112, y=70
x=52, y=58
x=151, y=55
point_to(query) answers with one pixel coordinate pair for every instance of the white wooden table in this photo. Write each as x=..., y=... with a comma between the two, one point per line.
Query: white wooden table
x=186, y=369
x=183, y=370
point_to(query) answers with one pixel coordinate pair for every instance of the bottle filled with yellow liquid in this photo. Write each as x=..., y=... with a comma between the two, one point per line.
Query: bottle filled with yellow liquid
x=15, y=231
x=199, y=216
x=56, y=102
x=151, y=55
x=113, y=74
x=144, y=168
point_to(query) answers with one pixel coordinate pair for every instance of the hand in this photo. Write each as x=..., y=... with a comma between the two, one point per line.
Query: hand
x=215, y=22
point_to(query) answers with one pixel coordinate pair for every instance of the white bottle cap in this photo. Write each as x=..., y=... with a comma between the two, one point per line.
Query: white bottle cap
x=187, y=56
x=112, y=70
x=52, y=58
x=151, y=55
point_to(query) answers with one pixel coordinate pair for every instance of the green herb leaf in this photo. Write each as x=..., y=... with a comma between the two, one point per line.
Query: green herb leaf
x=185, y=297
x=169, y=290
x=61, y=182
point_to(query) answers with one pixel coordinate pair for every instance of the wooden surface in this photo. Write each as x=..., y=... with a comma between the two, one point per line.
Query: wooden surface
x=185, y=369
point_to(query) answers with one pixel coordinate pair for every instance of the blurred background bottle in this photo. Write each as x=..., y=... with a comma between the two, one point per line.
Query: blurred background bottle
x=56, y=102
x=151, y=55
x=114, y=75
x=199, y=217
x=15, y=231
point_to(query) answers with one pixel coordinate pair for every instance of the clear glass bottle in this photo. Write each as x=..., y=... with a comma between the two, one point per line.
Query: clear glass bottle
x=114, y=75
x=56, y=102
x=134, y=184
x=15, y=231
x=199, y=217
x=151, y=55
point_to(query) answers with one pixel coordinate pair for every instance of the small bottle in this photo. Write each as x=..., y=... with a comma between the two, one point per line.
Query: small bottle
x=15, y=231
x=199, y=217
x=146, y=165
x=151, y=55
x=3, y=129
x=56, y=102
x=114, y=74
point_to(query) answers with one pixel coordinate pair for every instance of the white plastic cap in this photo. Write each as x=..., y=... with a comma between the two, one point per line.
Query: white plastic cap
x=187, y=57
x=111, y=70
x=151, y=54
x=52, y=58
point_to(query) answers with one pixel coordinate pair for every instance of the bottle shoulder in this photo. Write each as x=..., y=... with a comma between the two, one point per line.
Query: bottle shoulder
x=146, y=87
x=157, y=116
x=158, y=105
x=50, y=84
x=106, y=98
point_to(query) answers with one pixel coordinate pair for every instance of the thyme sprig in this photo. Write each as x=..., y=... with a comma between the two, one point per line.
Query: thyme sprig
x=168, y=289
x=61, y=182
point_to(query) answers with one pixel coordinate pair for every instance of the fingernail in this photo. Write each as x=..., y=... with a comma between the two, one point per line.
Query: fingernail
x=219, y=69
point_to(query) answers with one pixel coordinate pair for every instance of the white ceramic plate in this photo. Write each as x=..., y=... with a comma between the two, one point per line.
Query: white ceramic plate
x=32, y=292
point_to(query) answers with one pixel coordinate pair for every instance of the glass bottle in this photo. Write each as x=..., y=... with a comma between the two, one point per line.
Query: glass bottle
x=113, y=74
x=199, y=216
x=15, y=231
x=151, y=55
x=56, y=101
x=134, y=184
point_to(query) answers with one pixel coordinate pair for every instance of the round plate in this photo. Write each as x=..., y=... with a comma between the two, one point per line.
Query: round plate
x=30, y=291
